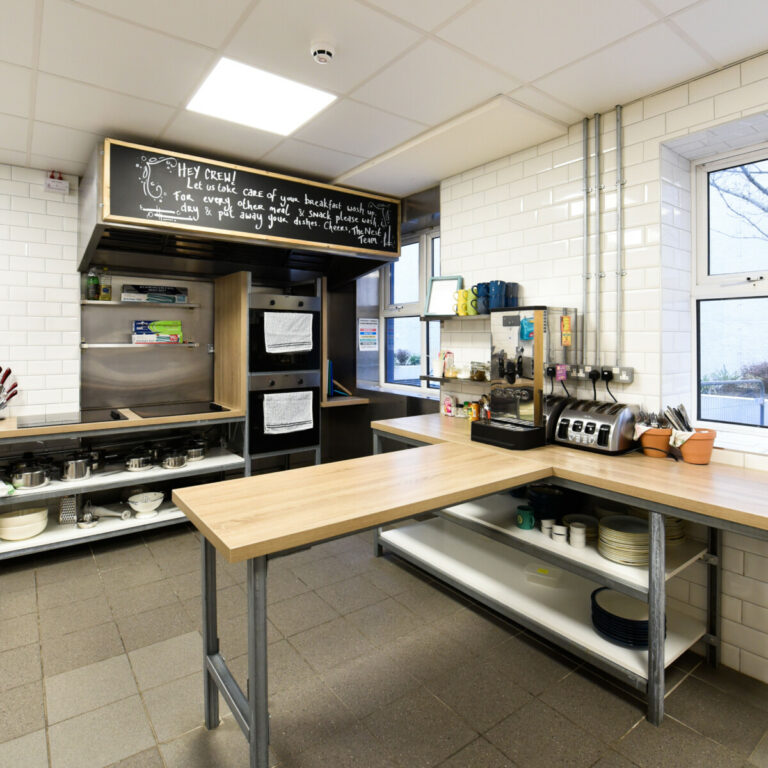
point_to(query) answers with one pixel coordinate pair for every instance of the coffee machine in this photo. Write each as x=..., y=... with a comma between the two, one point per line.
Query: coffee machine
x=527, y=343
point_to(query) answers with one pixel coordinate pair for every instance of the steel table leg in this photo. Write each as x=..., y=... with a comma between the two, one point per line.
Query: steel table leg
x=257, y=662
x=714, y=590
x=656, y=620
x=210, y=633
x=377, y=550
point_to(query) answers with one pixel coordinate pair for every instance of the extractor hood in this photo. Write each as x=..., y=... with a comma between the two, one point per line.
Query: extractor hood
x=147, y=210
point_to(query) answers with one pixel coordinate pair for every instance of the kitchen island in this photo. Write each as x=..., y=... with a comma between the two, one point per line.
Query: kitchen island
x=252, y=518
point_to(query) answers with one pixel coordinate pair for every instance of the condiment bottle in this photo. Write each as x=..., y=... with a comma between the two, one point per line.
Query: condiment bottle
x=92, y=285
x=105, y=294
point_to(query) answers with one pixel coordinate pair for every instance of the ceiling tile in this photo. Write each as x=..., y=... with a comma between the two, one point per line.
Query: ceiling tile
x=426, y=14
x=355, y=128
x=84, y=45
x=529, y=39
x=728, y=31
x=88, y=108
x=207, y=23
x=278, y=35
x=310, y=161
x=17, y=31
x=67, y=167
x=15, y=89
x=653, y=59
x=489, y=132
x=13, y=133
x=433, y=83
x=64, y=143
x=206, y=135
x=541, y=102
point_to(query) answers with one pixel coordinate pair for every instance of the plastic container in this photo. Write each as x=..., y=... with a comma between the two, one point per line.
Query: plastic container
x=655, y=442
x=92, y=286
x=697, y=449
x=105, y=286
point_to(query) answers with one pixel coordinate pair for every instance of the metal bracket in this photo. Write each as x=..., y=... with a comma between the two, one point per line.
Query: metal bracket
x=211, y=349
x=711, y=640
x=601, y=274
x=709, y=559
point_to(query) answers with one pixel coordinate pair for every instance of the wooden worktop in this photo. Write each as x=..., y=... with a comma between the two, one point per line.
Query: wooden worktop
x=726, y=493
x=269, y=513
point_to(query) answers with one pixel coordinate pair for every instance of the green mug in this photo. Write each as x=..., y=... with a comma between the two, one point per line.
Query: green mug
x=525, y=518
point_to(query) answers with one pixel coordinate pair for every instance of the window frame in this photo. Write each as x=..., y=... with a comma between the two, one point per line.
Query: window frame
x=731, y=285
x=387, y=309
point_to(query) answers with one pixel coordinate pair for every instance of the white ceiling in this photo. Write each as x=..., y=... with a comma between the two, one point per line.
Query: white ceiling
x=426, y=88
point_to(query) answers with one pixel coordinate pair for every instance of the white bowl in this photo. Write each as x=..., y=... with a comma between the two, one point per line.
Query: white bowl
x=23, y=523
x=145, y=502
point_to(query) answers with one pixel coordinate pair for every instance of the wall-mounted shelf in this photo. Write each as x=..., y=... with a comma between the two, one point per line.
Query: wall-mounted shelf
x=142, y=304
x=333, y=402
x=127, y=344
x=452, y=380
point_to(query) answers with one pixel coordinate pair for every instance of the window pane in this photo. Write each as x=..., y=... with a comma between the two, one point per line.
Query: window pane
x=433, y=351
x=738, y=218
x=403, y=364
x=435, y=257
x=733, y=360
x=404, y=276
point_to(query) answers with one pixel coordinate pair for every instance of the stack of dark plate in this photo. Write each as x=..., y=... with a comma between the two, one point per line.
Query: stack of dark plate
x=619, y=618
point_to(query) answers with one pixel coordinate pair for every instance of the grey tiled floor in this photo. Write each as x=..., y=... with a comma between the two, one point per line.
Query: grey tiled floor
x=371, y=665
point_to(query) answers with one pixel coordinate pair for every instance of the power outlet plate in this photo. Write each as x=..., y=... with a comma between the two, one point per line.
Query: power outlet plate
x=581, y=372
x=621, y=375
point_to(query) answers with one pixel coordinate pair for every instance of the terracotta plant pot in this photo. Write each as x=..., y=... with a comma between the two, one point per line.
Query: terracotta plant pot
x=697, y=449
x=655, y=442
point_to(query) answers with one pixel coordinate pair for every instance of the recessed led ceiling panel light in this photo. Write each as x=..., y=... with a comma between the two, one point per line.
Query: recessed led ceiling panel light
x=259, y=99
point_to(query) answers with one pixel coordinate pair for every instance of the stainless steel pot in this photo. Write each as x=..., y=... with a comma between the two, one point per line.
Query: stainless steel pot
x=173, y=460
x=138, y=460
x=76, y=467
x=195, y=450
x=29, y=475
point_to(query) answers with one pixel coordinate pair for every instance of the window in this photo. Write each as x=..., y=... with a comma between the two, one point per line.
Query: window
x=410, y=346
x=731, y=293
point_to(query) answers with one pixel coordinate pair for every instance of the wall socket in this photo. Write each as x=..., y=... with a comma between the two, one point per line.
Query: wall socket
x=621, y=375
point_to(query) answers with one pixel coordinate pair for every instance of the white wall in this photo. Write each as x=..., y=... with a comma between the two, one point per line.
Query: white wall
x=520, y=219
x=39, y=292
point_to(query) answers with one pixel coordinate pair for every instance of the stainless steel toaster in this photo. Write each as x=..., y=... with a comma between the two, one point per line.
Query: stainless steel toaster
x=597, y=426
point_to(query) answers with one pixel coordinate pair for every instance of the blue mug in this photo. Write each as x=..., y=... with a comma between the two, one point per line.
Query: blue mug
x=497, y=296
x=482, y=305
x=481, y=289
x=510, y=297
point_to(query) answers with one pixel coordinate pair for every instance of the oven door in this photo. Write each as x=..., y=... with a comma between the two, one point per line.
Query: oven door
x=260, y=385
x=259, y=358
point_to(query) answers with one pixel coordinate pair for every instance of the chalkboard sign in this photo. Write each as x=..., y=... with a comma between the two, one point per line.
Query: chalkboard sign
x=151, y=186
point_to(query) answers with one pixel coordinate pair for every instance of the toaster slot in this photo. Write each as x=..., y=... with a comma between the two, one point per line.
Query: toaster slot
x=604, y=435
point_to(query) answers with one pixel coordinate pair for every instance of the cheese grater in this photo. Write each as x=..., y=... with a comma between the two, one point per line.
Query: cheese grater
x=68, y=510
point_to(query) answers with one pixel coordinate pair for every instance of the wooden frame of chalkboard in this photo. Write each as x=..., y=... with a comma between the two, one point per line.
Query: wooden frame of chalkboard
x=160, y=188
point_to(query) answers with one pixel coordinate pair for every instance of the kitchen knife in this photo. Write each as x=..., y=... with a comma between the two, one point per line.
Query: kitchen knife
x=5, y=376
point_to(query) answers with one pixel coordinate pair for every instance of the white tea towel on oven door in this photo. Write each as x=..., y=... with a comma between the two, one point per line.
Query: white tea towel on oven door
x=287, y=412
x=288, y=332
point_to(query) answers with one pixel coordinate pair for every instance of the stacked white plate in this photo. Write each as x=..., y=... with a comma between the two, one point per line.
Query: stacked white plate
x=675, y=531
x=589, y=520
x=624, y=539
x=23, y=523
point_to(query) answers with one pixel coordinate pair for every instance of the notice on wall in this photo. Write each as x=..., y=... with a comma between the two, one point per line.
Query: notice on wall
x=368, y=334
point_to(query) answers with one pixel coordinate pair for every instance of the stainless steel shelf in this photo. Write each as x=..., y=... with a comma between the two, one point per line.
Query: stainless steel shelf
x=142, y=304
x=125, y=344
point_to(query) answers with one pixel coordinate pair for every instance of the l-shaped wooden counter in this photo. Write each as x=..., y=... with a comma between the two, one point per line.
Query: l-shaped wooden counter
x=251, y=518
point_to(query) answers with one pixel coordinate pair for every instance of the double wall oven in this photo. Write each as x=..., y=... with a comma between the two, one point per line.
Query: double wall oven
x=284, y=381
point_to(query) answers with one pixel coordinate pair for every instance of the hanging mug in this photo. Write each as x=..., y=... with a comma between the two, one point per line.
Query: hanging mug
x=472, y=305
x=510, y=294
x=497, y=295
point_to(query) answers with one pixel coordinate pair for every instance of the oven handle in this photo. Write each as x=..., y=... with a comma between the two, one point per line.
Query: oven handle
x=263, y=382
x=280, y=303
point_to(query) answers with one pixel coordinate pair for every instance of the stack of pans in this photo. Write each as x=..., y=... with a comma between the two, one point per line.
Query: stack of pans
x=624, y=539
x=619, y=618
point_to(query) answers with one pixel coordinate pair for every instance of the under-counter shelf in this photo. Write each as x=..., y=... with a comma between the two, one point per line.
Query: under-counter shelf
x=427, y=318
x=56, y=536
x=123, y=344
x=494, y=516
x=153, y=304
x=334, y=402
x=494, y=573
x=217, y=460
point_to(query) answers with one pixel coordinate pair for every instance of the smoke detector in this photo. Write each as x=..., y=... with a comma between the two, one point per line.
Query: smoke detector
x=322, y=52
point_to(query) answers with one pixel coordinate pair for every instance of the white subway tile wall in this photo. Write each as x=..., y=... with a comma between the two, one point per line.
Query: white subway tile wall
x=39, y=292
x=520, y=219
